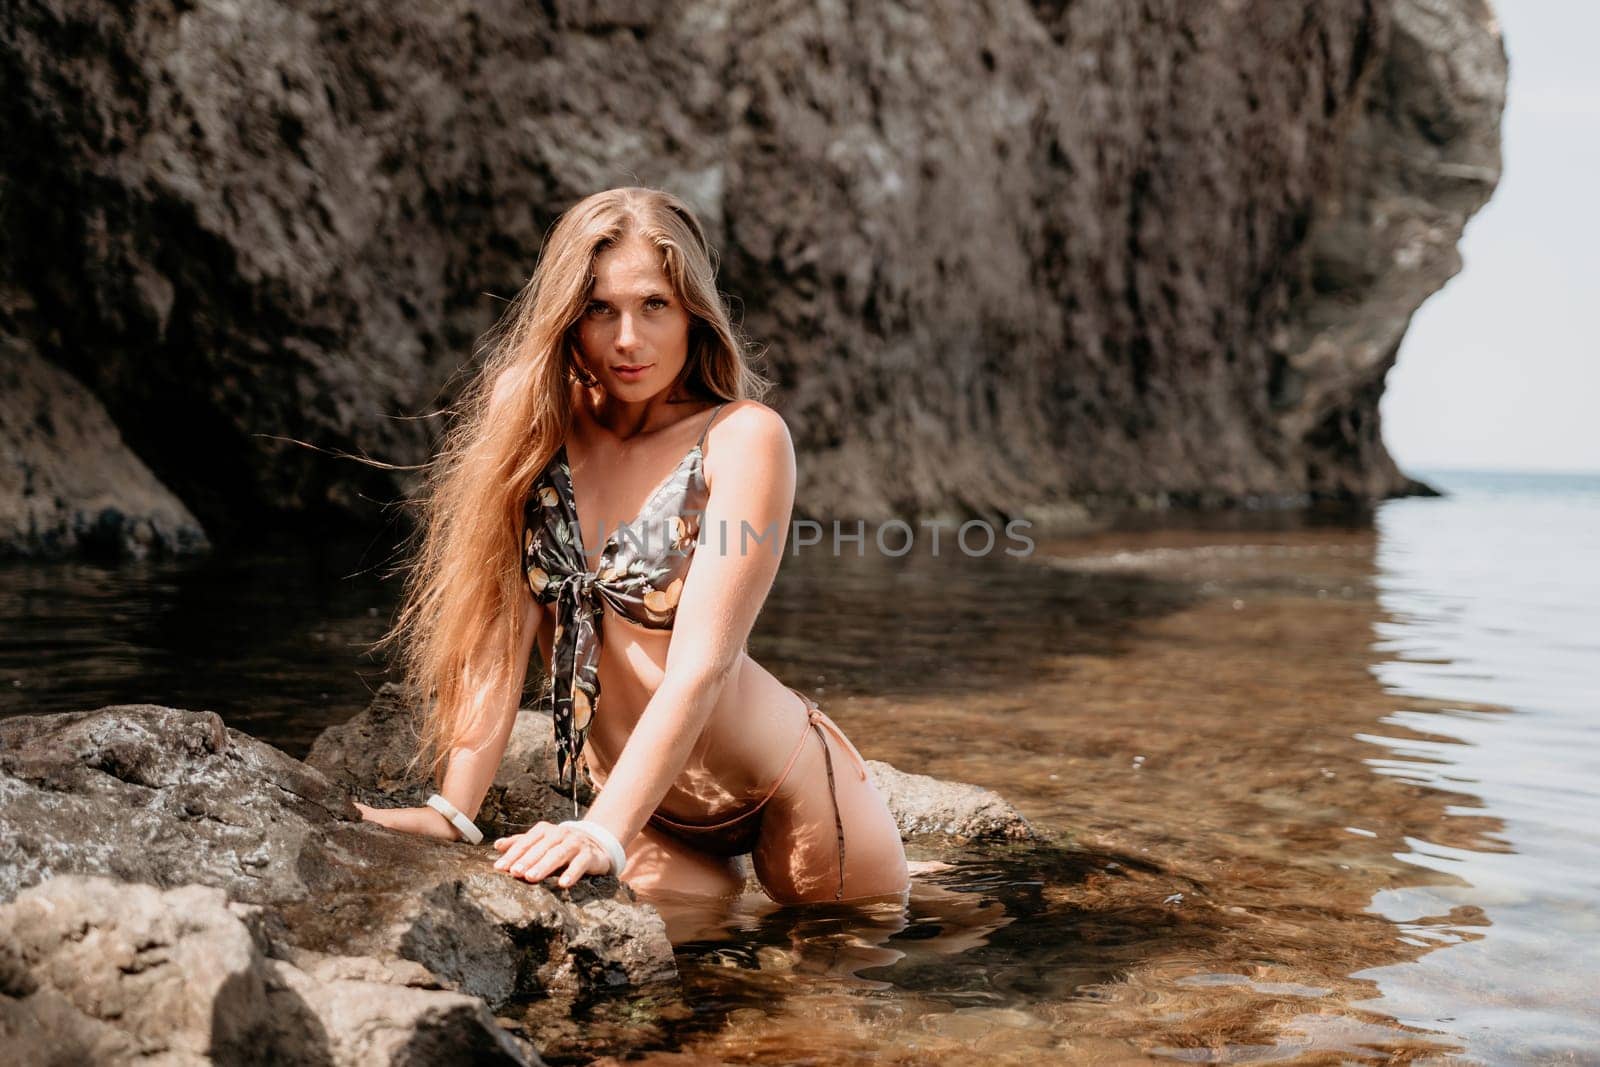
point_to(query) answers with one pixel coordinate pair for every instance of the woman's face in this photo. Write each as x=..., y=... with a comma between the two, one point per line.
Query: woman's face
x=633, y=335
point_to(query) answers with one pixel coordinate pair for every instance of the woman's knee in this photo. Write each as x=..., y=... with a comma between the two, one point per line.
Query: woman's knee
x=878, y=866
x=798, y=858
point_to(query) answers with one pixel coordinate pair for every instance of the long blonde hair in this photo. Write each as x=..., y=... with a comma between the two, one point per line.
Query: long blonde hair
x=459, y=627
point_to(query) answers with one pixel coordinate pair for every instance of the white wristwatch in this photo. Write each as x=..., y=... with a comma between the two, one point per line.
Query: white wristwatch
x=464, y=826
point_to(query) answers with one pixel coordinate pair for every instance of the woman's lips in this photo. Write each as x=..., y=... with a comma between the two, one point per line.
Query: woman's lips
x=628, y=373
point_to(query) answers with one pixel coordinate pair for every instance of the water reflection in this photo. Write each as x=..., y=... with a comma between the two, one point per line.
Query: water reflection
x=272, y=639
x=1490, y=647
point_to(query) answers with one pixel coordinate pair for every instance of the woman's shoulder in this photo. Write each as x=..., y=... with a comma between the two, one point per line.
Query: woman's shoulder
x=752, y=432
x=747, y=423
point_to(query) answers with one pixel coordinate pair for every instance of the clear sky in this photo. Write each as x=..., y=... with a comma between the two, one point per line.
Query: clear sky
x=1499, y=369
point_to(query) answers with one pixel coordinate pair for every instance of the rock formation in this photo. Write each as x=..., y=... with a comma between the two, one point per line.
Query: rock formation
x=1005, y=258
x=168, y=797
x=96, y=970
x=68, y=483
x=1422, y=156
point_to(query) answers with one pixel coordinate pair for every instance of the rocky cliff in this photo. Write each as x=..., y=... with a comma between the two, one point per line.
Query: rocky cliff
x=1005, y=257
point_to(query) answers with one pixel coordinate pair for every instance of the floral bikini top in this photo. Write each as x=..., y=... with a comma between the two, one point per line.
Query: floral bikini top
x=640, y=575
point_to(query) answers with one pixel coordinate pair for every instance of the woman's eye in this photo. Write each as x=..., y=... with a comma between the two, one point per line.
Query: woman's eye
x=598, y=308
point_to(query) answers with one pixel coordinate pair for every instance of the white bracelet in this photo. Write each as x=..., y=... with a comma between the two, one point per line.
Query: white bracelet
x=607, y=841
x=464, y=826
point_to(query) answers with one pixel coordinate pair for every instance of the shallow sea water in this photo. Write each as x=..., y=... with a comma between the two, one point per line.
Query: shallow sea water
x=1314, y=791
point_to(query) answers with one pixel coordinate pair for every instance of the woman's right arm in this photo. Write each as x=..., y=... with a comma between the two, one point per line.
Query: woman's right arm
x=475, y=759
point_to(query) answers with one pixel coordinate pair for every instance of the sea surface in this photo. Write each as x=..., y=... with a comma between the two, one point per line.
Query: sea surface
x=1314, y=789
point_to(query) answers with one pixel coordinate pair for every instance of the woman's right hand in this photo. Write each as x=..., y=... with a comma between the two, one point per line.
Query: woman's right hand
x=423, y=821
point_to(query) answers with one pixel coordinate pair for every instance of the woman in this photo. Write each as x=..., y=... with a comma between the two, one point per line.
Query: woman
x=614, y=387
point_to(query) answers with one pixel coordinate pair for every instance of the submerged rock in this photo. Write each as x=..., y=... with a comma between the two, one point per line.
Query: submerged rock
x=167, y=797
x=96, y=970
x=925, y=805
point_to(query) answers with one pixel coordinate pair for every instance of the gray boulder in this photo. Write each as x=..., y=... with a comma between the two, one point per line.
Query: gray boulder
x=366, y=756
x=167, y=797
x=95, y=970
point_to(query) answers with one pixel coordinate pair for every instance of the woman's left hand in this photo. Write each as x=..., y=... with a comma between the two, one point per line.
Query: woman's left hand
x=424, y=821
x=545, y=848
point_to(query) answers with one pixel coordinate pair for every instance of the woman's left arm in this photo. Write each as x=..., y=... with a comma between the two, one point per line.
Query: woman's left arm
x=750, y=470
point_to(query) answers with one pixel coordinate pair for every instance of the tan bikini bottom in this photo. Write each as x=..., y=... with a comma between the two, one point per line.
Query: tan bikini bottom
x=738, y=835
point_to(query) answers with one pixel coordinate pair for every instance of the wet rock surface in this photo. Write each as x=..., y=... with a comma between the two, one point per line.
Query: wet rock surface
x=168, y=797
